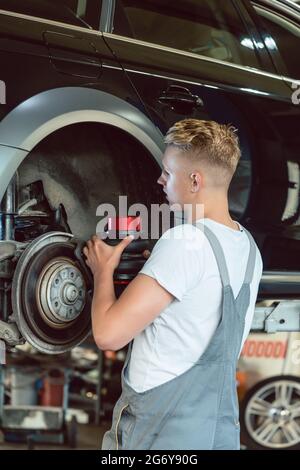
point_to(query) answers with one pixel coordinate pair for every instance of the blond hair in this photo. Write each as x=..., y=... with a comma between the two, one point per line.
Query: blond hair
x=207, y=141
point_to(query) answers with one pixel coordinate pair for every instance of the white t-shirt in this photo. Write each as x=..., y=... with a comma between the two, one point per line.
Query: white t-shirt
x=183, y=262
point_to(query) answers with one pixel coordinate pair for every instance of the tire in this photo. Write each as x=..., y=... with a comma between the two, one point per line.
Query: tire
x=270, y=414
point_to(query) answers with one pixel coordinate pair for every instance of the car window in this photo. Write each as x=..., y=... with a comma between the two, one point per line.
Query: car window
x=211, y=28
x=83, y=13
x=283, y=34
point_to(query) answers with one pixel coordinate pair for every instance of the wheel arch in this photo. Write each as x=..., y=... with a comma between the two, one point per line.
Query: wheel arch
x=41, y=115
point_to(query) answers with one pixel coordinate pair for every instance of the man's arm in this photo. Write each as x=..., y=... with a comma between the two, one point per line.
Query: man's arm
x=116, y=322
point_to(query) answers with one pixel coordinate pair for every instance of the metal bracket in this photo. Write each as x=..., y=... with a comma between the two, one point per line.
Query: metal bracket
x=283, y=315
x=10, y=334
x=78, y=252
x=9, y=248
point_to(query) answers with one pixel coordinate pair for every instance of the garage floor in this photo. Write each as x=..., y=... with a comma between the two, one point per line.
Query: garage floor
x=89, y=437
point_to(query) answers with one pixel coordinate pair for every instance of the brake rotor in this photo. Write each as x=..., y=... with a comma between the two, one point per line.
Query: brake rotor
x=51, y=294
x=60, y=293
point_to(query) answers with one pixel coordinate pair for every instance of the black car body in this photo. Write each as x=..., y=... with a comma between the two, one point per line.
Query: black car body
x=90, y=89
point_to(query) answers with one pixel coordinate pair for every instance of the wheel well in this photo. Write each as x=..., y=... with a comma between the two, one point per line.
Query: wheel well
x=83, y=165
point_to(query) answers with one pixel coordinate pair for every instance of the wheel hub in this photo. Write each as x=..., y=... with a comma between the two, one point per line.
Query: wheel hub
x=61, y=292
x=70, y=294
x=280, y=415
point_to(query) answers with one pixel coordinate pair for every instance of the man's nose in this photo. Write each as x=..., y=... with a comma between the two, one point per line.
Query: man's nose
x=160, y=180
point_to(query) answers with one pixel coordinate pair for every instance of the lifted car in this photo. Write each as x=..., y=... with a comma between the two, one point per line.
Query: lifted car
x=91, y=87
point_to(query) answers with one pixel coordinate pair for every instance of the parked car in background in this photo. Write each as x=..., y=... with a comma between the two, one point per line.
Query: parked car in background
x=91, y=87
x=269, y=391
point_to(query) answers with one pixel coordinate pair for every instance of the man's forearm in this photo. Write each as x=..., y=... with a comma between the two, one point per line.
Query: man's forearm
x=103, y=298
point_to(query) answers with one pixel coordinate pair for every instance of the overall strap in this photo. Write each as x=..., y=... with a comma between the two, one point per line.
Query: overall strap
x=218, y=252
x=220, y=257
x=251, y=260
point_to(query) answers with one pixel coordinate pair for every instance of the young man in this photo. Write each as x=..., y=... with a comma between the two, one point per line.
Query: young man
x=189, y=309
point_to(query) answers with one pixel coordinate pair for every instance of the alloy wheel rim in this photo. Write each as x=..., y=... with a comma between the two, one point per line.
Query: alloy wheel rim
x=272, y=416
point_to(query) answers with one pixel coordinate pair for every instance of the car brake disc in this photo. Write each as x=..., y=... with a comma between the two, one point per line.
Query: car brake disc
x=51, y=294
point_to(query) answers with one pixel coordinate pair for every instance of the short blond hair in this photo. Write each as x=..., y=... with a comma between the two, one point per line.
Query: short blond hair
x=207, y=141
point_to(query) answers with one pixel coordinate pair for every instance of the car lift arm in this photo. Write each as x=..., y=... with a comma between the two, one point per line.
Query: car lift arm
x=282, y=315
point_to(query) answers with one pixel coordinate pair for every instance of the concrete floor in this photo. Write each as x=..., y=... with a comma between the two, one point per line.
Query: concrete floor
x=89, y=438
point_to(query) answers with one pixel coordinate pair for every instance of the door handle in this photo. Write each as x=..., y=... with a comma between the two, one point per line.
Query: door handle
x=177, y=96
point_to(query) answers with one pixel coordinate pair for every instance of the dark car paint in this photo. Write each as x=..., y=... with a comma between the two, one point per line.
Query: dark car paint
x=38, y=55
x=258, y=104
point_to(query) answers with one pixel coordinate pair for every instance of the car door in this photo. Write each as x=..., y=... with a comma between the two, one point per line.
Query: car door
x=48, y=44
x=206, y=60
x=278, y=23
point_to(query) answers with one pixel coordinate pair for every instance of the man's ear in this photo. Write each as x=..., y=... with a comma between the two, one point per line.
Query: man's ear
x=195, y=181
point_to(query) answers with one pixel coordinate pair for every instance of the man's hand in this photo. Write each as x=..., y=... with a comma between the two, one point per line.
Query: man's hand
x=102, y=257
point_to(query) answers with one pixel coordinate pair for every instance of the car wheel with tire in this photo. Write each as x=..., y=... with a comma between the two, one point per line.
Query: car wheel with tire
x=270, y=414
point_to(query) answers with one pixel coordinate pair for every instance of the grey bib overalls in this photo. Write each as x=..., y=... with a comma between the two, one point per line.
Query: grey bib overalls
x=199, y=408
